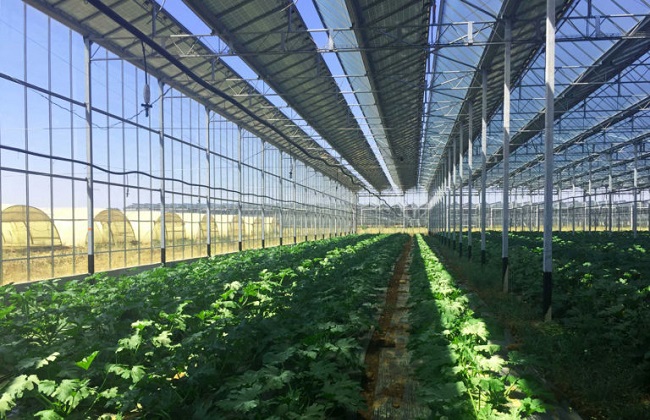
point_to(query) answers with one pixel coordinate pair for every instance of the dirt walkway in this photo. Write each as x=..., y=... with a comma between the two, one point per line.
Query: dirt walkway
x=389, y=388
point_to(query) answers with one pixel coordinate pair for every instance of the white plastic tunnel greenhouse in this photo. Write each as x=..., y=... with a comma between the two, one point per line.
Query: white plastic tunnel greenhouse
x=24, y=226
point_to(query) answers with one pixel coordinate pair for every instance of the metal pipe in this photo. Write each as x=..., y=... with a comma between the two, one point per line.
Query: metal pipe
x=549, y=76
x=460, y=176
x=483, y=160
x=506, y=155
x=208, y=195
x=281, y=194
x=609, y=196
x=470, y=165
x=636, y=192
x=263, y=175
x=90, y=199
x=240, y=239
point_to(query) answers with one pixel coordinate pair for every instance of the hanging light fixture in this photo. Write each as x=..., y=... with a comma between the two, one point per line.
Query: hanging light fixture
x=146, y=93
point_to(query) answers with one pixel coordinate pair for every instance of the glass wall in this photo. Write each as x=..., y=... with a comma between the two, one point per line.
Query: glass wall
x=90, y=180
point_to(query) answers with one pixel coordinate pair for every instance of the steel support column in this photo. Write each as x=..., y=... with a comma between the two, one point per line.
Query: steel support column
x=470, y=166
x=263, y=224
x=610, y=206
x=636, y=192
x=589, y=194
x=483, y=160
x=281, y=194
x=163, y=174
x=453, y=188
x=559, y=203
x=460, y=192
x=240, y=175
x=506, y=155
x=292, y=175
x=549, y=76
x=90, y=199
x=208, y=195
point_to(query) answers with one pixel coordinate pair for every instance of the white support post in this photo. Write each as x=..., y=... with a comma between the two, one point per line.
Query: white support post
x=610, y=208
x=573, y=204
x=506, y=155
x=559, y=202
x=90, y=199
x=483, y=160
x=295, y=193
x=450, y=208
x=163, y=174
x=549, y=76
x=636, y=192
x=530, y=209
x=281, y=195
x=208, y=191
x=379, y=200
x=589, y=193
x=460, y=191
x=263, y=224
x=453, y=187
x=470, y=167
x=240, y=212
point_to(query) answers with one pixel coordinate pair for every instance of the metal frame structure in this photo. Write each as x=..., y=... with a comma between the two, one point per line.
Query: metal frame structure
x=323, y=117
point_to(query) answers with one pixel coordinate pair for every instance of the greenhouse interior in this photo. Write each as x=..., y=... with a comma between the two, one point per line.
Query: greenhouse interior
x=283, y=209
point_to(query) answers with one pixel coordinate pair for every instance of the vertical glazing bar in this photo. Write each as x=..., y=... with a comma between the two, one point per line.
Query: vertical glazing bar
x=89, y=156
x=50, y=139
x=506, y=155
x=28, y=248
x=125, y=179
x=549, y=76
x=240, y=175
x=208, y=190
x=470, y=167
x=483, y=159
x=107, y=89
x=71, y=121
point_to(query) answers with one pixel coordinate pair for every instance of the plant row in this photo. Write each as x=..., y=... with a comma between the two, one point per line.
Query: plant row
x=601, y=285
x=459, y=369
x=597, y=348
x=273, y=333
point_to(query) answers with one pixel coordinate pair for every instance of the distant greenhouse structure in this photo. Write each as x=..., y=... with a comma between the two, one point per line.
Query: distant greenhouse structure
x=24, y=226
